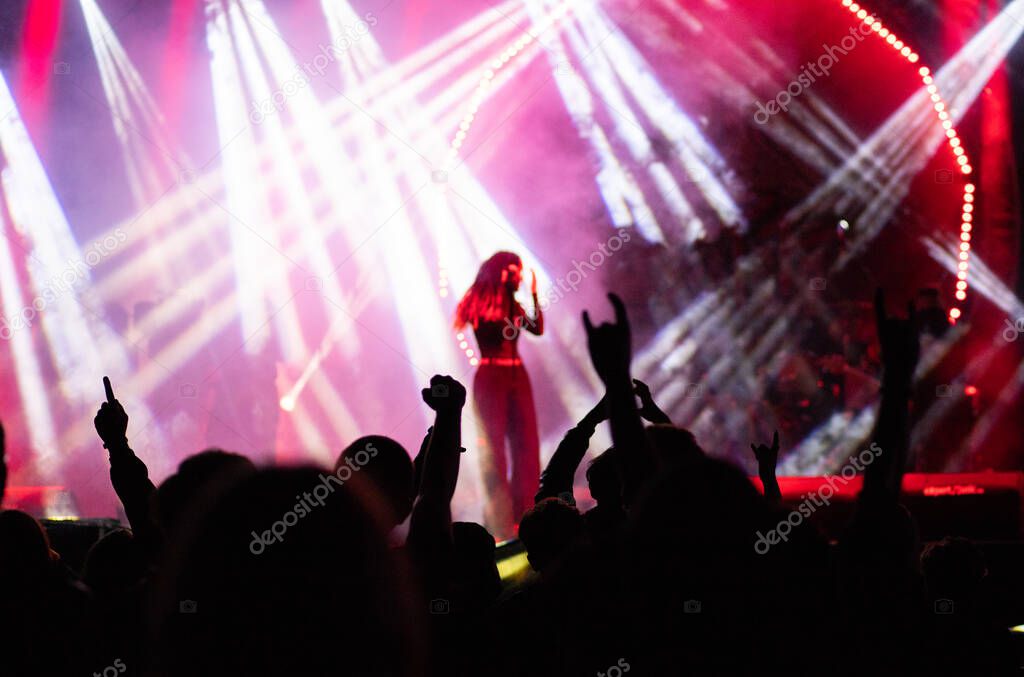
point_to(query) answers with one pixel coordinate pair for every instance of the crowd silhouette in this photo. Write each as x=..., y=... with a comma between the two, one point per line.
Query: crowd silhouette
x=230, y=568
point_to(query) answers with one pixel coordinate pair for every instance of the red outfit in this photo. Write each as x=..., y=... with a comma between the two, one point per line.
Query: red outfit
x=503, y=399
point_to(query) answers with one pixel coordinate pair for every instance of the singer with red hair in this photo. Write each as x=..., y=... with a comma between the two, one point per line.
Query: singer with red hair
x=502, y=395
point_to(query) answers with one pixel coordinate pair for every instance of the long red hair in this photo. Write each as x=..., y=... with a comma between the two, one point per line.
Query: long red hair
x=489, y=299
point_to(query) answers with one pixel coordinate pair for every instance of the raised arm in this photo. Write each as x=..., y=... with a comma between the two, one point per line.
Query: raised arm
x=431, y=522
x=649, y=410
x=128, y=473
x=535, y=325
x=891, y=436
x=610, y=353
x=557, y=478
x=767, y=458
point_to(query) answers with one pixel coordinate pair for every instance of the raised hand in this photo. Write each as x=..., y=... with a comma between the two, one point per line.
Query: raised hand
x=767, y=457
x=609, y=343
x=899, y=342
x=533, y=281
x=111, y=420
x=648, y=409
x=445, y=394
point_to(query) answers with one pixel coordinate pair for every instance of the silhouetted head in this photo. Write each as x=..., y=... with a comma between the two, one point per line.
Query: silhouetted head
x=490, y=298
x=476, y=577
x=548, y=530
x=209, y=471
x=114, y=563
x=386, y=466
x=273, y=582
x=604, y=479
x=953, y=567
x=673, y=446
x=883, y=538
x=24, y=545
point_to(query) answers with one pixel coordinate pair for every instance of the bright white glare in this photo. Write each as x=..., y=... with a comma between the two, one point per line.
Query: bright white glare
x=263, y=290
x=138, y=123
x=592, y=52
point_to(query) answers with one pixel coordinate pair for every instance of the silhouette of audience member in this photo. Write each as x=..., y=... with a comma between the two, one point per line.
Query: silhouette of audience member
x=549, y=530
x=183, y=496
x=231, y=569
x=272, y=583
x=41, y=604
x=966, y=619
x=390, y=474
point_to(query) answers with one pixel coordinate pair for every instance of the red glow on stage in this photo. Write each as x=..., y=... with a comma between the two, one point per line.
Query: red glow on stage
x=38, y=45
x=176, y=62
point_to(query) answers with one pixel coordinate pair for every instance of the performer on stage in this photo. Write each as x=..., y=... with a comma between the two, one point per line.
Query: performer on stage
x=502, y=395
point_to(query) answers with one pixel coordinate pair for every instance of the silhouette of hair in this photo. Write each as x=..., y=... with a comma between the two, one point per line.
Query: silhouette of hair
x=208, y=471
x=475, y=569
x=386, y=465
x=548, y=530
x=272, y=583
x=674, y=446
x=114, y=563
x=24, y=545
x=489, y=300
x=952, y=567
x=604, y=479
